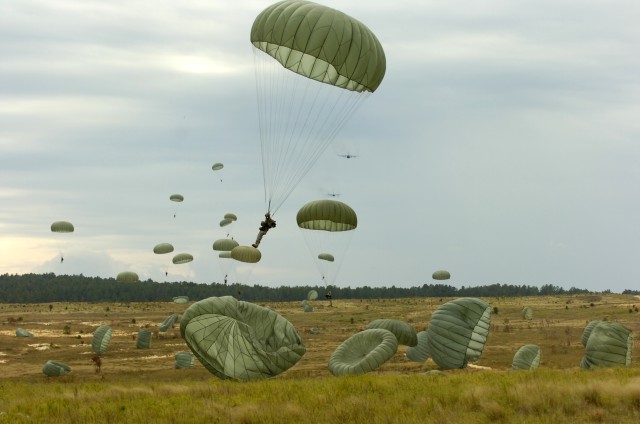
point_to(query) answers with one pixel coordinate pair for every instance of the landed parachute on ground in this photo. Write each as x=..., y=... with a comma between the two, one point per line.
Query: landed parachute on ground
x=458, y=331
x=127, y=277
x=168, y=323
x=313, y=66
x=587, y=331
x=609, y=345
x=363, y=352
x=181, y=299
x=185, y=360
x=162, y=248
x=405, y=334
x=526, y=358
x=55, y=368
x=419, y=352
x=182, y=258
x=527, y=313
x=441, y=275
x=312, y=295
x=101, y=339
x=240, y=340
x=307, y=308
x=143, y=340
x=21, y=332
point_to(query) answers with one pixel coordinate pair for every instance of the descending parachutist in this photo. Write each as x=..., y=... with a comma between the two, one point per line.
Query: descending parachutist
x=61, y=259
x=225, y=279
x=265, y=226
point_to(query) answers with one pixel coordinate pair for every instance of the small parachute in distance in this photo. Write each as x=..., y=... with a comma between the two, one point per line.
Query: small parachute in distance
x=168, y=323
x=62, y=227
x=224, y=245
x=307, y=308
x=231, y=216
x=162, y=248
x=363, y=352
x=101, y=339
x=127, y=277
x=246, y=254
x=21, y=332
x=185, y=360
x=182, y=258
x=143, y=340
x=55, y=368
x=527, y=313
x=312, y=295
x=326, y=257
x=181, y=299
x=458, y=332
x=226, y=222
x=526, y=358
x=441, y=275
x=217, y=166
x=176, y=197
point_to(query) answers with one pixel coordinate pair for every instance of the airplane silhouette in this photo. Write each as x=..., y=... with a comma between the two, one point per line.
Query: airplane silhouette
x=348, y=156
x=333, y=194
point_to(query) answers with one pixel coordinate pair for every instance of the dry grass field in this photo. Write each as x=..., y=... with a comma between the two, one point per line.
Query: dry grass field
x=142, y=385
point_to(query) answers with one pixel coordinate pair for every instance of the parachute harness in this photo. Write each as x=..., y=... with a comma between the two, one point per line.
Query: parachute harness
x=265, y=226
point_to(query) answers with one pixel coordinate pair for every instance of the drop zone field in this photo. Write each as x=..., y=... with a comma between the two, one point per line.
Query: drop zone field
x=143, y=386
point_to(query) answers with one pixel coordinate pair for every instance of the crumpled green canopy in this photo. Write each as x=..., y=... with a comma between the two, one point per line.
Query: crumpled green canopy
x=21, y=332
x=458, y=331
x=527, y=313
x=587, y=331
x=526, y=358
x=419, y=352
x=404, y=332
x=609, y=345
x=185, y=360
x=320, y=43
x=363, y=352
x=312, y=295
x=181, y=299
x=101, y=339
x=55, y=368
x=143, y=341
x=240, y=340
x=168, y=323
x=327, y=215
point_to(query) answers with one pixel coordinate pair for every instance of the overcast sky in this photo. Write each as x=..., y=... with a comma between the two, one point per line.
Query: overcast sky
x=503, y=144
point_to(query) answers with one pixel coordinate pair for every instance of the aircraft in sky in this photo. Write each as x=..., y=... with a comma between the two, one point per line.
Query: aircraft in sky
x=348, y=156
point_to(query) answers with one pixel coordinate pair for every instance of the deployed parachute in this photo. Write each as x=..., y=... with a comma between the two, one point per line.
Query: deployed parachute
x=312, y=295
x=101, y=339
x=527, y=313
x=526, y=358
x=405, y=334
x=163, y=248
x=224, y=245
x=327, y=225
x=181, y=299
x=62, y=227
x=225, y=222
x=314, y=65
x=182, y=258
x=363, y=352
x=143, y=341
x=587, y=331
x=441, y=275
x=240, y=340
x=55, y=368
x=127, y=277
x=185, y=360
x=458, y=331
x=176, y=197
x=21, y=332
x=231, y=216
x=609, y=345
x=246, y=254
x=168, y=323
x=217, y=166
x=419, y=352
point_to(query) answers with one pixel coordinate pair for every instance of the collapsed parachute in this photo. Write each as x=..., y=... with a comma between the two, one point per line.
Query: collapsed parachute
x=185, y=360
x=181, y=299
x=363, y=352
x=240, y=340
x=527, y=313
x=405, y=334
x=587, y=331
x=55, y=368
x=419, y=352
x=143, y=341
x=609, y=345
x=168, y=323
x=458, y=331
x=314, y=66
x=526, y=358
x=21, y=332
x=101, y=339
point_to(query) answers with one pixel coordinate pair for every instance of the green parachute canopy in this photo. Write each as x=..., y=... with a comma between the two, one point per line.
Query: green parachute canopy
x=226, y=222
x=225, y=255
x=163, y=248
x=168, y=323
x=441, y=275
x=327, y=215
x=181, y=299
x=609, y=345
x=326, y=257
x=21, y=332
x=217, y=166
x=224, y=245
x=587, y=331
x=405, y=334
x=240, y=340
x=176, y=197
x=246, y=254
x=308, y=308
x=182, y=258
x=363, y=352
x=62, y=227
x=55, y=368
x=101, y=339
x=127, y=277
x=320, y=43
x=231, y=216
x=143, y=341
x=312, y=295
x=314, y=66
x=458, y=331
x=527, y=313
x=185, y=360
x=526, y=358
x=420, y=352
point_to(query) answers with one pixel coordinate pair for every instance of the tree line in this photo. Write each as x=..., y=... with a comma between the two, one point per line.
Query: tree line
x=49, y=287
